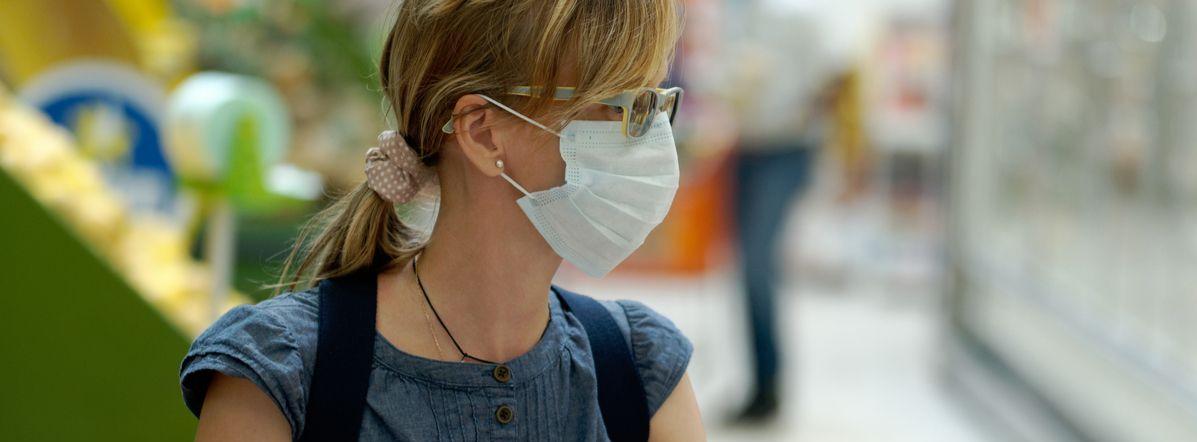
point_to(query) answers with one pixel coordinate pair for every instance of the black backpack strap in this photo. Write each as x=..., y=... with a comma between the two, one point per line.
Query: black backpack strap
x=344, y=351
x=620, y=391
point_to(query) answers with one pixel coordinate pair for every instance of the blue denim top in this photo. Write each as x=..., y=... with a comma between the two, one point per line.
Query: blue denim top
x=551, y=389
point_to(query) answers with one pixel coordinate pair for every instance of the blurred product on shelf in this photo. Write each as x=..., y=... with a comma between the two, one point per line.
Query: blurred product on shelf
x=143, y=33
x=318, y=55
x=231, y=133
x=107, y=127
x=149, y=250
x=105, y=80
x=228, y=135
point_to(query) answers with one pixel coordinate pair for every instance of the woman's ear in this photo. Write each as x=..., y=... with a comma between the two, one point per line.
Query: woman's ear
x=473, y=129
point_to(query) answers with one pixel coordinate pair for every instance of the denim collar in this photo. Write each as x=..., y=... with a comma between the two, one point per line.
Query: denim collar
x=547, y=351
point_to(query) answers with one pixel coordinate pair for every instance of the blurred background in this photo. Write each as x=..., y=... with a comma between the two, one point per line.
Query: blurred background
x=900, y=220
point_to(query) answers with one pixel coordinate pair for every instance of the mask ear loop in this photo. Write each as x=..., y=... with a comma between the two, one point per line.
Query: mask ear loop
x=530, y=121
x=448, y=128
x=513, y=183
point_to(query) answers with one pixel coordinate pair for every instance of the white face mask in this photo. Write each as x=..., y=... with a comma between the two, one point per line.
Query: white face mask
x=617, y=189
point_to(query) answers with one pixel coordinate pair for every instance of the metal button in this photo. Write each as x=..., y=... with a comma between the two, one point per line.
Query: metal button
x=502, y=373
x=504, y=414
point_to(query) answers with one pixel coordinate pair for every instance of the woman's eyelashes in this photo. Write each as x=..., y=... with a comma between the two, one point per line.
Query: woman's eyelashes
x=602, y=112
x=612, y=113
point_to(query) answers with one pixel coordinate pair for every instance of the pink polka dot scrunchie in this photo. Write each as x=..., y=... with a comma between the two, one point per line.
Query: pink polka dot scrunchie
x=393, y=170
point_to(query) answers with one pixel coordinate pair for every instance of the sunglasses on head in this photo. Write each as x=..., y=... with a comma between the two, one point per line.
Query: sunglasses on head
x=638, y=107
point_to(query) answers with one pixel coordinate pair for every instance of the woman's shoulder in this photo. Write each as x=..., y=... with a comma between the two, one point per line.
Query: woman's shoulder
x=298, y=310
x=662, y=351
x=271, y=343
x=291, y=318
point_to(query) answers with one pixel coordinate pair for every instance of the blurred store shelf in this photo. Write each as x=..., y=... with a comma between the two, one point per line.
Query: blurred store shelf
x=1072, y=205
x=149, y=251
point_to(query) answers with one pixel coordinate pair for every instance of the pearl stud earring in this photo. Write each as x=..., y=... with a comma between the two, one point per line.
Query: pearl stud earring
x=499, y=164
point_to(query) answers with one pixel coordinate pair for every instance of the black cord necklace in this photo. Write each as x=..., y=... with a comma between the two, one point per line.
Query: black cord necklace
x=438, y=318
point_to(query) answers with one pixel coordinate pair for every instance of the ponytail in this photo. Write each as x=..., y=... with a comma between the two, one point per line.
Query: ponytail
x=352, y=233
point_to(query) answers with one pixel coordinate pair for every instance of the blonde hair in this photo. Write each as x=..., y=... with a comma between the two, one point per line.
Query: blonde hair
x=440, y=50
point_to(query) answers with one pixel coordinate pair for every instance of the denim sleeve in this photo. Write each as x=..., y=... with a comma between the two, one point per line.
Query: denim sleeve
x=250, y=342
x=662, y=351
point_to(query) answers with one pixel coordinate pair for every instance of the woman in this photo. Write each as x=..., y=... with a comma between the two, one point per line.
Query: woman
x=525, y=178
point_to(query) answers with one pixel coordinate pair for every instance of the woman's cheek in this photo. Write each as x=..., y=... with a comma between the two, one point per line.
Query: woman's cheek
x=551, y=165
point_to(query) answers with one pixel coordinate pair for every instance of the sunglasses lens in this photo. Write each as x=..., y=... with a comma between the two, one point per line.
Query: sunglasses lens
x=670, y=105
x=643, y=110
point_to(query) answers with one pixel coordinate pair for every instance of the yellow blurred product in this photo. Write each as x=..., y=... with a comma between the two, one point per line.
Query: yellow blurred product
x=138, y=32
x=63, y=30
x=165, y=45
x=849, y=138
x=150, y=252
x=140, y=16
x=156, y=257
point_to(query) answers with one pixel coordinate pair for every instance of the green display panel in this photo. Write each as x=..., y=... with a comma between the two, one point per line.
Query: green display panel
x=82, y=355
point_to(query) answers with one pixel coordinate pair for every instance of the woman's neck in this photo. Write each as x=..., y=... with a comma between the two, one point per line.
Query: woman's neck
x=487, y=272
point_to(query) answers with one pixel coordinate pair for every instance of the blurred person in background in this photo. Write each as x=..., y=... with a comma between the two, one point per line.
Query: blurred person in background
x=494, y=102
x=787, y=95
